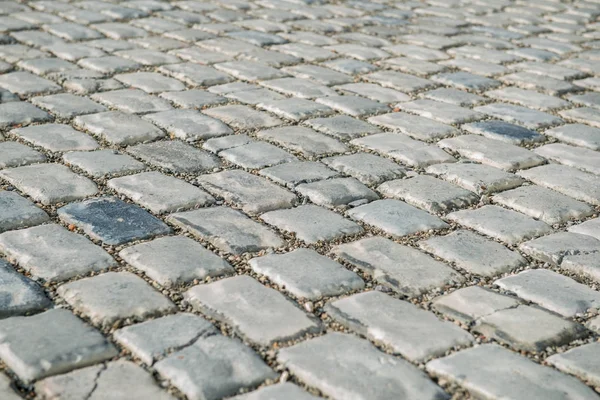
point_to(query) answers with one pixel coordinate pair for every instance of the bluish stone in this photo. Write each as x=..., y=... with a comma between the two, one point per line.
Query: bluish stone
x=504, y=131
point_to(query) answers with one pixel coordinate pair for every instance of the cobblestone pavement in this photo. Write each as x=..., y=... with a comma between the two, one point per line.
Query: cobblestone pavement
x=295, y=199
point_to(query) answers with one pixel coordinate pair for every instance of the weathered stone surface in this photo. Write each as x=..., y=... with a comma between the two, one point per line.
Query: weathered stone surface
x=103, y=162
x=17, y=212
x=14, y=154
x=303, y=140
x=284, y=390
x=260, y=314
x=580, y=158
x=478, y=178
x=579, y=361
x=56, y=137
x=293, y=173
x=417, y=127
x=336, y=191
x=18, y=294
x=590, y=227
x=175, y=156
x=118, y=127
x=344, y=366
x=189, y=125
x=367, y=168
x=555, y=247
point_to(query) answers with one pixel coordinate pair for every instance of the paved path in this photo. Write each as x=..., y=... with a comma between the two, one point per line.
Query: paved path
x=289, y=199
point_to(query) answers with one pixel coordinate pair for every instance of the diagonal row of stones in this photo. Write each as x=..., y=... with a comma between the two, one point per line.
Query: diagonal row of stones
x=297, y=199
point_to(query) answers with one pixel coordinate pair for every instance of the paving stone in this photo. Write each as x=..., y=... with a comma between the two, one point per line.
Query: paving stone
x=132, y=101
x=67, y=105
x=579, y=361
x=187, y=369
x=474, y=66
x=336, y=191
x=20, y=295
x=505, y=132
x=150, y=82
x=293, y=173
x=27, y=84
x=408, y=151
x=399, y=81
x=492, y=152
x=195, y=75
x=577, y=135
x=477, y=370
x=154, y=191
x=175, y=157
x=250, y=71
x=454, y=96
x=499, y=223
x=112, y=221
x=566, y=180
x=227, y=229
x=401, y=268
x=473, y=253
x=243, y=117
x=108, y=64
x=13, y=154
x=429, y=193
x=374, y=92
x=416, y=52
x=255, y=97
x=543, y=204
x=56, y=137
x=342, y=366
x=189, y=124
x=114, y=296
x=398, y=325
x=253, y=194
x=57, y=342
x=591, y=228
x=527, y=98
x=17, y=212
x=296, y=109
x=260, y=314
x=103, y=162
x=342, y=126
x=367, y=168
x=312, y=223
x=552, y=291
x=49, y=183
x=591, y=99
x=354, y=105
x=555, y=248
x=9, y=394
x=472, y=303
x=118, y=127
x=21, y=113
x=154, y=339
x=349, y=66
x=519, y=115
x=478, y=178
x=284, y=390
x=256, y=155
x=194, y=98
x=580, y=158
x=466, y=80
x=420, y=128
x=307, y=274
x=413, y=66
x=442, y=112
x=119, y=380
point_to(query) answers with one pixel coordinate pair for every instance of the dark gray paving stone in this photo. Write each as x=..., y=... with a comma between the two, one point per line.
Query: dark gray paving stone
x=20, y=295
x=500, y=130
x=112, y=221
x=18, y=212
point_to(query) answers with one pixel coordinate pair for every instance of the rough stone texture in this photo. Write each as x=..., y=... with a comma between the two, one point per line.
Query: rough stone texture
x=343, y=366
x=118, y=127
x=18, y=294
x=337, y=191
x=580, y=361
x=284, y=390
x=17, y=212
x=478, y=178
x=175, y=157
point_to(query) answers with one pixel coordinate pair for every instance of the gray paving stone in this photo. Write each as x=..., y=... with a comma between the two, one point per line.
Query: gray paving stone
x=307, y=274
x=150, y=82
x=27, y=84
x=399, y=81
x=473, y=253
x=303, y=140
x=499, y=223
x=404, y=149
x=505, y=132
x=194, y=98
x=118, y=127
x=591, y=228
x=9, y=394
x=255, y=97
x=112, y=221
x=297, y=87
x=580, y=158
x=108, y=64
x=243, y=117
x=543, y=204
x=256, y=155
x=342, y=127
x=412, y=66
x=466, y=80
x=154, y=191
x=454, y=96
x=527, y=98
x=56, y=137
x=18, y=212
x=429, y=193
x=591, y=99
x=189, y=125
x=350, y=66
x=253, y=194
x=545, y=84
x=20, y=295
x=579, y=361
x=296, y=109
x=150, y=341
x=566, y=180
x=552, y=291
x=492, y=152
x=414, y=333
x=293, y=173
x=175, y=157
x=260, y=314
x=472, y=303
x=401, y=268
x=227, y=229
x=284, y=390
x=118, y=380
x=195, y=75
x=66, y=105
x=103, y=162
x=354, y=105
x=114, y=296
x=251, y=71
x=311, y=223
x=477, y=178
x=555, y=248
x=336, y=192
x=132, y=101
x=474, y=66
x=442, y=112
x=367, y=168
x=344, y=366
x=175, y=260
x=519, y=115
x=49, y=183
x=477, y=370
x=57, y=342
x=14, y=154
x=577, y=135
x=21, y=113
x=187, y=369
x=420, y=128
x=374, y=92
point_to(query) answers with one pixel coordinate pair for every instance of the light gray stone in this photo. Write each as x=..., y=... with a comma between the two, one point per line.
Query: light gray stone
x=367, y=168
x=260, y=314
x=56, y=138
x=175, y=260
x=13, y=154
x=519, y=115
x=18, y=294
x=132, y=101
x=414, y=333
x=343, y=366
x=297, y=87
x=17, y=212
x=118, y=127
x=296, y=109
x=580, y=361
x=303, y=140
x=103, y=162
x=189, y=125
x=66, y=105
x=584, y=159
x=114, y=296
x=354, y=105
x=555, y=247
x=478, y=178
x=293, y=173
x=374, y=92
x=342, y=126
x=52, y=253
x=21, y=113
x=441, y=112
x=227, y=229
x=417, y=127
x=284, y=390
x=243, y=117
x=402, y=268
x=175, y=156
x=528, y=98
x=490, y=372
x=591, y=228
x=57, y=342
x=577, y=135
x=256, y=155
x=9, y=394
x=336, y=192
